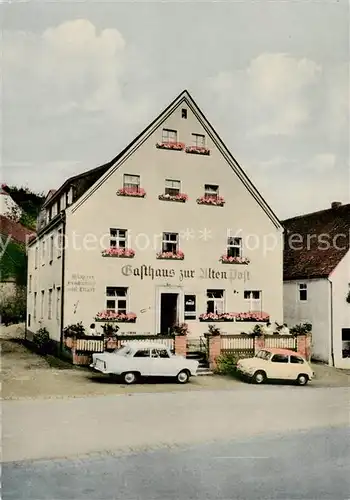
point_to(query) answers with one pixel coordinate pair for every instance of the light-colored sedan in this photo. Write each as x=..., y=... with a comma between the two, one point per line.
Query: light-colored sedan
x=144, y=359
x=276, y=364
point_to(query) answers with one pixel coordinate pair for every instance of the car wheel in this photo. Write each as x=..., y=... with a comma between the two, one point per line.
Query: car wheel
x=129, y=377
x=259, y=377
x=183, y=377
x=302, y=379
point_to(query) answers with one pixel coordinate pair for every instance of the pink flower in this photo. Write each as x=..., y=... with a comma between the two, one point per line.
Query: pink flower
x=178, y=146
x=211, y=200
x=132, y=191
x=198, y=149
x=175, y=197
x=112, y=315
x=179, y=255
x=234, y=260
x=118, y=252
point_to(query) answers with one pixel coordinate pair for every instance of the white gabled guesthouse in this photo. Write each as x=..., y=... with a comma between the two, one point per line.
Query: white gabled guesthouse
x=317, y=280
x=170, y=231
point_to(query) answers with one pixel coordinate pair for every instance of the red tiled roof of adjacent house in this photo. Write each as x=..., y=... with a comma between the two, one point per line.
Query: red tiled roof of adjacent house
x=18, y=232
x=315, y=243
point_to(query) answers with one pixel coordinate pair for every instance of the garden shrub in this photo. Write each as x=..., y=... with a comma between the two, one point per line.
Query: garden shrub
x=41, y=341
x=226, y=363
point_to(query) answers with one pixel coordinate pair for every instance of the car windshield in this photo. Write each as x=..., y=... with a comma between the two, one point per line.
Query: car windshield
x=122, y=351
x=263, y=355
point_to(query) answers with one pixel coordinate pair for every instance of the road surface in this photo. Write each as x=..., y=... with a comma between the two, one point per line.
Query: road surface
x=310, y=465
x=253, y=442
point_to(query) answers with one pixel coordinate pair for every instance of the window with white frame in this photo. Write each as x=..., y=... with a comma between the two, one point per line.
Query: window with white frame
x=34, y=305
x=302, y=292
x=42, y=304
x=118, y=238
x=172, y=187
x=43, y=252
x=234, y=247
x=253, y=300
x=36, y=256
x=117, y=299
x=170, y=242
x=58, y=303
x=211, y=191
x=131, y=182
x=59, y=243
x=169, y=135
x=30, y=283
x=51, y=249
x=189, y=307
x=215, y=301
x=49, y=304
x=198, y=140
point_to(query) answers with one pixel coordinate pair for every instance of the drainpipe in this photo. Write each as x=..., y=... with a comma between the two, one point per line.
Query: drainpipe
x=332, y=336
x=63, y=255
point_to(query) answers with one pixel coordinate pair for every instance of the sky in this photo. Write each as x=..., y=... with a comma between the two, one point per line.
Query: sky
x=82, y=79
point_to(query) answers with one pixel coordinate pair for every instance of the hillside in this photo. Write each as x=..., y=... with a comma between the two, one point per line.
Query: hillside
x=29, y=201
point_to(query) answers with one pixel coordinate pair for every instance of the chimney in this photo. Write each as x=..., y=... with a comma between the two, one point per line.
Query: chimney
x=336, y=204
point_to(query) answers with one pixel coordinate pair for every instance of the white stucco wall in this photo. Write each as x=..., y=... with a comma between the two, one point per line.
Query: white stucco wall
x=45, y=276
x=104, y=210
x=341, y=309
x=316, y=310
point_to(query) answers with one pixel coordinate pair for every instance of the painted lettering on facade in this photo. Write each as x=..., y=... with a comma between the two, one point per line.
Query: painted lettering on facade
x=144, y=271
x=81, y=283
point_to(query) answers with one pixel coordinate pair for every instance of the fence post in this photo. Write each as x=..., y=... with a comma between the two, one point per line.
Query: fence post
x=259, y=343
x=180, y=345
x=304, y=345
x=214, y=347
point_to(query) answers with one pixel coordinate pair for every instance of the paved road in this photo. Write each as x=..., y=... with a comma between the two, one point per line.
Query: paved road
x=310, y=465
x=63, y=428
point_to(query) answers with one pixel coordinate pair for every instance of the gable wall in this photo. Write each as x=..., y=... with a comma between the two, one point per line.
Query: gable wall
x=150, y=217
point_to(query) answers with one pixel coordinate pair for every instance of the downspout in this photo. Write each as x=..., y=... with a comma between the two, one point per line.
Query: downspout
x=62, y=281
x=332, y=333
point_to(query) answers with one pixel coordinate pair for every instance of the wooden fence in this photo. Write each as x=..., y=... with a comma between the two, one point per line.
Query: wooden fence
x=167, y=340
x=245, y=344
x=237, y=344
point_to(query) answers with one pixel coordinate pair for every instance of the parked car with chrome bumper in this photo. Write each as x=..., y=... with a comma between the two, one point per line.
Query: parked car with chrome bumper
x=276, y=364
x=137, y=359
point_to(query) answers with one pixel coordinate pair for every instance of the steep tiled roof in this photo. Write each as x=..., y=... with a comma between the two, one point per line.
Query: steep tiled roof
x=18, y=232
x=315, y=243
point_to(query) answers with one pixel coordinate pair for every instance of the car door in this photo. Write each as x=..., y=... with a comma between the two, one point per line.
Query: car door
x=141, y=362
x=161, y=363
x=279, y=367
x=297, y=365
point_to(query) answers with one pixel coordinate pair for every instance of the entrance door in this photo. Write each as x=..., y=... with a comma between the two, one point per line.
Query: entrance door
x=168, y=311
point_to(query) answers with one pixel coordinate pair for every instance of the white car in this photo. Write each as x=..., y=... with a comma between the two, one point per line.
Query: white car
x=140, y=358
x=276, y=364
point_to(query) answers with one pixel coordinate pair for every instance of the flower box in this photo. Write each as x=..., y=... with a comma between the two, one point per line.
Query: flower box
x=110, y=316
x=234, y=260
x=136, y=193
x=216, y=317
x=252, y=316
x=214, y=201
x=171, y=256
x=174, y=146
x=198, y=150
x=123, y=253
x=246, y=316
x=181, y=197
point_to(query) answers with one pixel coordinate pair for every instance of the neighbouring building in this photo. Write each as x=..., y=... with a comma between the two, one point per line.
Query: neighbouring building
x=171, y=230
x=317, y=280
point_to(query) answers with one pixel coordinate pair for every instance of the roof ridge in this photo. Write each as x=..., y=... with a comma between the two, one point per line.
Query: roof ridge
x=316, y=212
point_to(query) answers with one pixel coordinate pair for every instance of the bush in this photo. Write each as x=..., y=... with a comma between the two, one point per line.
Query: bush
x=41, y=340
x=13, y=307
x=77, y=330
x=226, y=363
x=301, y=329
